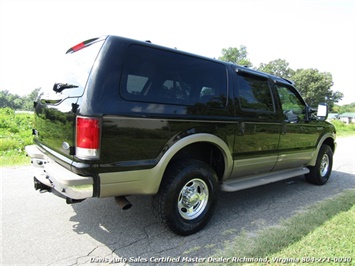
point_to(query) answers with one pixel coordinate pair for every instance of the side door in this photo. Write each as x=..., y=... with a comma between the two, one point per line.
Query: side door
x=258, y=125
x=299, y=134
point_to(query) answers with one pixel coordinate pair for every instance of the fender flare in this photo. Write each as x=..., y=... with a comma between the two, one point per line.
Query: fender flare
x=196, y=138
x=320, y=143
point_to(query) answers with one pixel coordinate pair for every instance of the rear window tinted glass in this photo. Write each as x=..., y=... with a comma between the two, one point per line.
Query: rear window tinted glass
x=74, y=69
x=153, y=75
x=254, y=93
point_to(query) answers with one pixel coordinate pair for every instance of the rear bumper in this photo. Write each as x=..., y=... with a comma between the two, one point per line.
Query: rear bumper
x=55, y=176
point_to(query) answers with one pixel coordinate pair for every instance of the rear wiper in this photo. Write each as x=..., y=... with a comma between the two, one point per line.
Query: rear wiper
x=59, y=87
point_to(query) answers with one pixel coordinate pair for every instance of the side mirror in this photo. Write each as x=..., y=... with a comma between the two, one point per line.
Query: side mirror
x=322, y=112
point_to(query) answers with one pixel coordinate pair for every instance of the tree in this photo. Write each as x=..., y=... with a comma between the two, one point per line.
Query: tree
x=344, y=108
x=29, y=99
x=10, y=100
x=17, y=102
x=278, y=67
x=316, y=86
x=236, y=56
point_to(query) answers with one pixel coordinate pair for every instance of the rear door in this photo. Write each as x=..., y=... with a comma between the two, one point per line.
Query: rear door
x=258, y=125
x=56, y=108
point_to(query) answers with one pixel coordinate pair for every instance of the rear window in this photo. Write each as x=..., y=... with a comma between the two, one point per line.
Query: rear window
x=254, y=93
x=158, y=76
x=73, y=69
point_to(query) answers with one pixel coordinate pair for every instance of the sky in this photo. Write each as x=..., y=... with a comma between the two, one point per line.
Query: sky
x=316, y=34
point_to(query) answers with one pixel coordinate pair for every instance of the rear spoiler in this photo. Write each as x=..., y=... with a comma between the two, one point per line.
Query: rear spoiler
x=84, y=44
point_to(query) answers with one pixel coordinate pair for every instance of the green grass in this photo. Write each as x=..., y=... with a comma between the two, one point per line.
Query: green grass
x=13, y=158
x=15, y=134
x=324, y=230
x=344, y=129
x=334, y=240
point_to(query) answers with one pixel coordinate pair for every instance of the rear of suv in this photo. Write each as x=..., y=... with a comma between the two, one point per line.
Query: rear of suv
x=123, y=117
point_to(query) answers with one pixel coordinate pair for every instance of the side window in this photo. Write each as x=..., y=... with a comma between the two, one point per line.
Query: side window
x=254, y=93
x=293, y=107
x=135, y=84
x=158, y=76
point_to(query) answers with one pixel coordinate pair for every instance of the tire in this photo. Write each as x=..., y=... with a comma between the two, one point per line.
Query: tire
x=187, y=196
x=320, y=173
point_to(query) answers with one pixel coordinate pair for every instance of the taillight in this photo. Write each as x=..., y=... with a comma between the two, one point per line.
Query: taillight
x=88, y=132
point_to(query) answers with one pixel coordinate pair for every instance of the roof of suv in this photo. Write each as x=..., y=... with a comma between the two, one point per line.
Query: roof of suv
x=238, y=67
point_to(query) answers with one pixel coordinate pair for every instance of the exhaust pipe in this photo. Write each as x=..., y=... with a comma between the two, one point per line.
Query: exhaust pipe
x=123, y=203
x=72, y=201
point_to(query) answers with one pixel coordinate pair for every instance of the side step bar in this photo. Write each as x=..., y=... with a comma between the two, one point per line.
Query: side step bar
x=258, y=180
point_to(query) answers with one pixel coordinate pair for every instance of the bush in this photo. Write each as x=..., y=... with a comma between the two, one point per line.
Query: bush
x=344, y=129
x=15, y=133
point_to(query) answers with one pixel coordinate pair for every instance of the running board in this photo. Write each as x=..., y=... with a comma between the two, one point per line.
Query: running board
x=259, y=180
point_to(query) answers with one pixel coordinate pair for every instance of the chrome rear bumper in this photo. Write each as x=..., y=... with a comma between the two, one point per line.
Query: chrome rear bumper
x=55, y=176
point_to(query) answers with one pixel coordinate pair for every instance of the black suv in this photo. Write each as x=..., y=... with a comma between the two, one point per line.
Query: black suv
x=123, y=117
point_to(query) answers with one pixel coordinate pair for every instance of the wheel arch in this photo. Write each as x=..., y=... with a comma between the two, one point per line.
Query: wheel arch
x=328, y=139
x=205, y=147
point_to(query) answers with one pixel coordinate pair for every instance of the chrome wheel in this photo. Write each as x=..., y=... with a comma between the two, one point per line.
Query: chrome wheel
x=187, y=196
x=324, y=165
x=193, y=199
